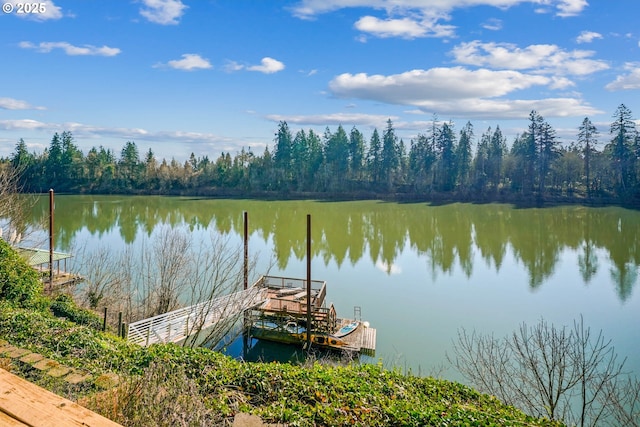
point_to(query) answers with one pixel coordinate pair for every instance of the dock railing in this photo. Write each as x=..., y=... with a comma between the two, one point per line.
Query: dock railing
x=177, y=325
x=318, y=287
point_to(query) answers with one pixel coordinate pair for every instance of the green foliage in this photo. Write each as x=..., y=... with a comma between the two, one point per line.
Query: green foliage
x=339, y=164
x=63, y=340
x=19, y=283
x=167, y=380
x=64, y=306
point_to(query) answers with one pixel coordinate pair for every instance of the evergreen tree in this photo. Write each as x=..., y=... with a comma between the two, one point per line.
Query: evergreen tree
x=623, y=131
x=25, y=163
x=71, y=162
x=356, y=153
x=521, y=166
x=21, y=158
x=446, y=147
x=129, y=166
x=282, y=155
x=495, y=154
x=530, y=150
x=53, y=164
x=463, y=154
x=374, y=157
x=151, y=177
x=336, y=154
x=316, y=158
x=481, y=167
x=421, y=159
x=548, y=152
x=587, y=138
x=389, y=157
x=300, y=158
x=403, y=160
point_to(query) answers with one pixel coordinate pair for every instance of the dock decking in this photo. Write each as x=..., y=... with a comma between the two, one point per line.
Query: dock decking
x=24, y=404
x=362, y=340
x=285, y=311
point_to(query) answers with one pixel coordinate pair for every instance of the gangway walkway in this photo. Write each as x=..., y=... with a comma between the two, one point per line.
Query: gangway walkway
x=177, y=325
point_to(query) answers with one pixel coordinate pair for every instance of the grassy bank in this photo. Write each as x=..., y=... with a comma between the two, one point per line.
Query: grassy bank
x=171, y=385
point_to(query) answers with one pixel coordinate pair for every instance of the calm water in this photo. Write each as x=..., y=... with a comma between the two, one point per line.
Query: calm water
x=419, y=272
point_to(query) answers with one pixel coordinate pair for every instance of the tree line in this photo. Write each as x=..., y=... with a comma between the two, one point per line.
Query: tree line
x=441, y=161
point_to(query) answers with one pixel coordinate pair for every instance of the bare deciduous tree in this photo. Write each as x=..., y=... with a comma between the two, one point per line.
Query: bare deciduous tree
x=623, y=402
x=566, y=374
x=168, y=272
x=173, y=261
x=103, y=282
x=13, y=204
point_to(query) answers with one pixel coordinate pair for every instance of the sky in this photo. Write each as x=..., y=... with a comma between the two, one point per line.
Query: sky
x=213, y=76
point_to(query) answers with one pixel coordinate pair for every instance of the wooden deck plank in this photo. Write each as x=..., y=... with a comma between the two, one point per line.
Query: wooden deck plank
x=8, y=421
x=30, y=405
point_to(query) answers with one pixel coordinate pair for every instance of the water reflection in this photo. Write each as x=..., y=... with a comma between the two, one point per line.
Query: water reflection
x=346, y=232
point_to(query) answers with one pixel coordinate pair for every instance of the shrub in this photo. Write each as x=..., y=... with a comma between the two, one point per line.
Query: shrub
x=64, y=306
x=19, y=283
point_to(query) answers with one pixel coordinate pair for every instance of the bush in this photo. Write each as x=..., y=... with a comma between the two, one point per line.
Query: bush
x=19, y=283
x=64, y=306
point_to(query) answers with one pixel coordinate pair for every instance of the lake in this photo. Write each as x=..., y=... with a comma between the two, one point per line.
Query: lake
x=419, y=272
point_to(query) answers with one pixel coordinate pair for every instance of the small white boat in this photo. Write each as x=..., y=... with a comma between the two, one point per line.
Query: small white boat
x=346, y=329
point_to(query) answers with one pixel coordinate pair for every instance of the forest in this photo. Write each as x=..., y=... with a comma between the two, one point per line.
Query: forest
x=441, y=163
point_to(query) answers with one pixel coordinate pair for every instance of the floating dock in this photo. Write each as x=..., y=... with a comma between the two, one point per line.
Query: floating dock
x=39, y=259
x=284, y=317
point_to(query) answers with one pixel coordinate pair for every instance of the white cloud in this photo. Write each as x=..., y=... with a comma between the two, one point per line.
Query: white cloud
x=442, y=83
x=189, y=62
x=545, y=58
x=69, y=49
x=628, y=81
x=16, y=104
x=267, y=66
x=459, y=91
x=24, y=124
x=81, y=130
x=334, y=119
x=407, y=28
x=571, y=7
x=588, y=37
x=164, y=12
x=231, y=66
x=46, y=10
x=492, y=24
x=410, y=17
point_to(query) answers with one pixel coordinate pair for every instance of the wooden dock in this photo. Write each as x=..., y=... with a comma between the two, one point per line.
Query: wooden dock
x=24, y=404
x=283, y=317
x=362, y=340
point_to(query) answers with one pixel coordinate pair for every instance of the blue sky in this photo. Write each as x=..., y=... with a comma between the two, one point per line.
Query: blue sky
x=208, y=76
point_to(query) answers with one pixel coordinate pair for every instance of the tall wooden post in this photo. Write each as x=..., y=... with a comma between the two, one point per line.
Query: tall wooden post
x=51, y=238
x=246, y=323
x=246, y=251
x=308, y=281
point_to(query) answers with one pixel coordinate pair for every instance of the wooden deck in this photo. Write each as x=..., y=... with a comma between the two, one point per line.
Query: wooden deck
x=62, y=279
x=287, y=303
x=362, y=340
x=23, y=404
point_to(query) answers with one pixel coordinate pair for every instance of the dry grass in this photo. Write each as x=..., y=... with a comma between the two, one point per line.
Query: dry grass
x=161, y=397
